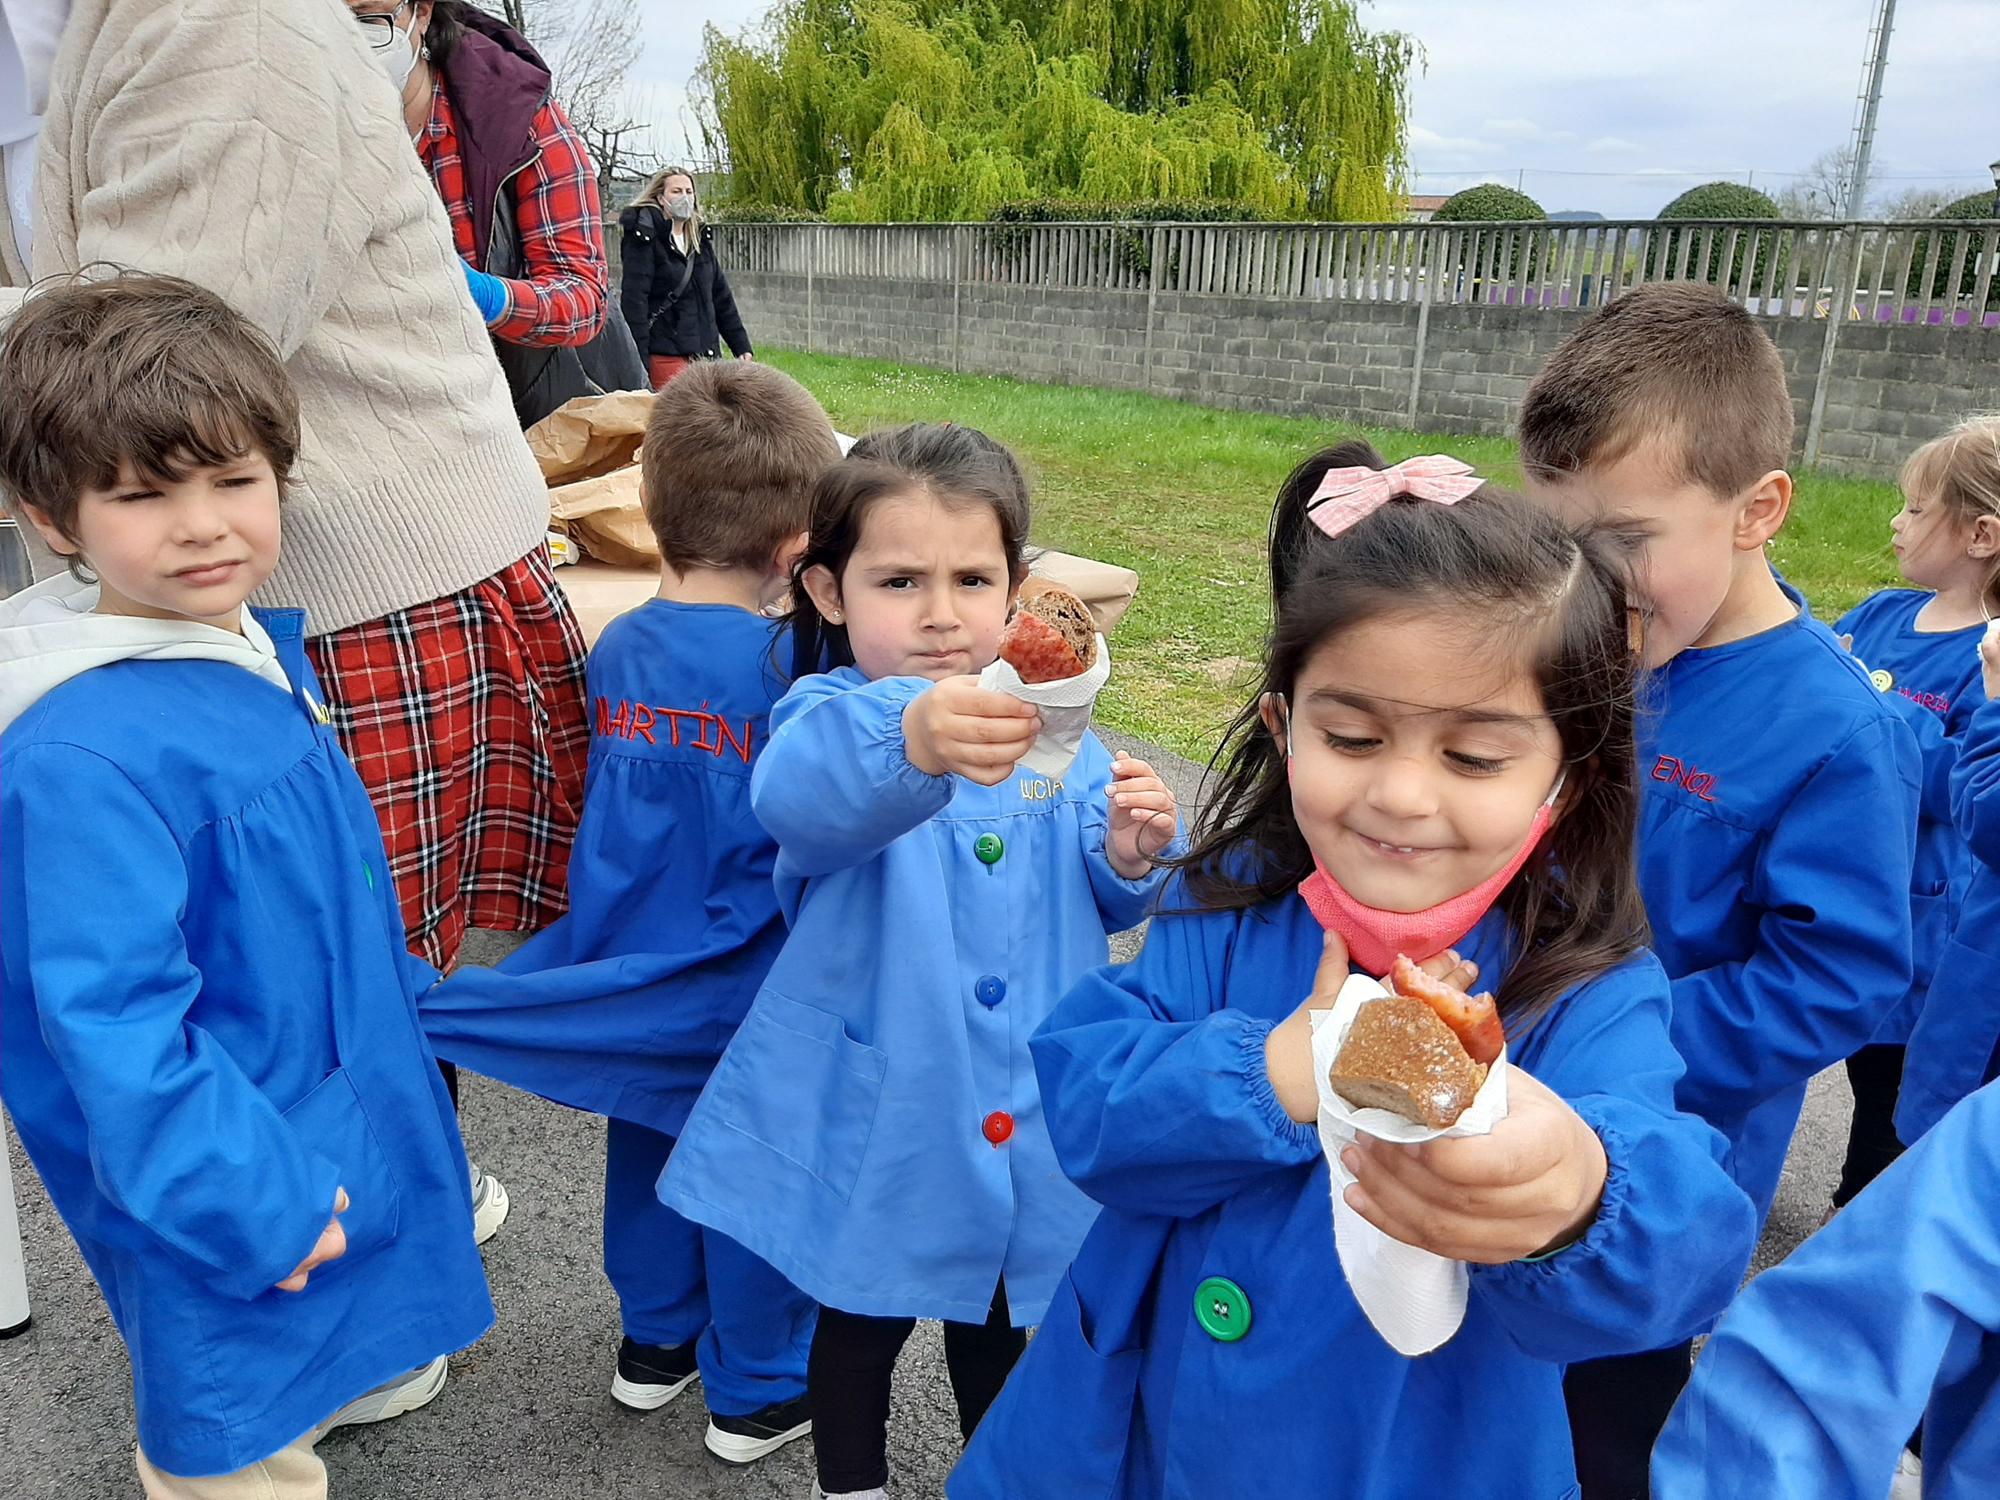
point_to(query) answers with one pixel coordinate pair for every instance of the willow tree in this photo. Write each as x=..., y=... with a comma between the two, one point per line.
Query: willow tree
x=926, y=109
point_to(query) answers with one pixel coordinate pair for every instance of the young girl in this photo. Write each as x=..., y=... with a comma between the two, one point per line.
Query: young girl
x=874, y=1130
x=1445, y=727
x=1922, y=646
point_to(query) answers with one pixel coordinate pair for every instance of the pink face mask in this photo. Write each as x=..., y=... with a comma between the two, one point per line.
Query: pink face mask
x=1374, y=937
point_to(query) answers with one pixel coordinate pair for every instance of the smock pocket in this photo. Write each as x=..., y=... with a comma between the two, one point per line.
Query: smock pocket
x=331, y=1123
x=1075, y=1389
x=794, y=1081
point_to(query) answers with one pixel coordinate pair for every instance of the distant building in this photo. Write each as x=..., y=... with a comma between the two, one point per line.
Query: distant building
x=1419, y=208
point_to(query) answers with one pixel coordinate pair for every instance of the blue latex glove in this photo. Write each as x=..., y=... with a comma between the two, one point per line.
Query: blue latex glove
x=489, y=294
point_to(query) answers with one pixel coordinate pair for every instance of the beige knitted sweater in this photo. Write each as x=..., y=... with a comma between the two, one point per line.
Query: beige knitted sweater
x=253, y=146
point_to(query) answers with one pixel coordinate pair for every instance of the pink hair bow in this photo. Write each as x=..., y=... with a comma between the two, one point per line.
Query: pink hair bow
x=1346, y=496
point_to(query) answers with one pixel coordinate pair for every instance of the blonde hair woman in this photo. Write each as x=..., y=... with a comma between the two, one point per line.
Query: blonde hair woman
x=674, y=293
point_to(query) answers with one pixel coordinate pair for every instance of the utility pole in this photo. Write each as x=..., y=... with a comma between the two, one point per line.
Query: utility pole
x=1867, y=106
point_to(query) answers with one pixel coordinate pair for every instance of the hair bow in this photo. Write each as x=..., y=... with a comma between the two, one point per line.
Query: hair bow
x=1346, y=496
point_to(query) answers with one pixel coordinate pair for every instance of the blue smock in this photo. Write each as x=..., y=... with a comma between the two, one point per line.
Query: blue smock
x=874, y=1131
x=1777, y=825
x=1888, y=1316
x=1154, y=1080
x=1932, y=678
x=209, y=1025
x=1955, y=1046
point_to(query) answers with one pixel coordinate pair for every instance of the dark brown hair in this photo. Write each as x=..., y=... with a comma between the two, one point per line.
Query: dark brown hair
x=954, y=465
x=1290, y=537
x=1674, y=363
x=732, y=452
x=1530, y=585
x=151, y=371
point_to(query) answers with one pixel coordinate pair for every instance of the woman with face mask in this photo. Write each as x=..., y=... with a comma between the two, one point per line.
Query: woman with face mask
x=521, y=190
x=675, y=295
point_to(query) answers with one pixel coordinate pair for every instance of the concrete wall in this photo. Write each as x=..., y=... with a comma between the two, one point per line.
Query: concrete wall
x=1888, y=388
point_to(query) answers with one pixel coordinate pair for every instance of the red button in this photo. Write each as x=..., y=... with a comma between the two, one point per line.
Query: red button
x=998, y=1127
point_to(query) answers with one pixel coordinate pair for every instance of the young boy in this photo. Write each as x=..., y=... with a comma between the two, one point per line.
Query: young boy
x=624, y=1006
x=212, y=1049
x=1778, y=824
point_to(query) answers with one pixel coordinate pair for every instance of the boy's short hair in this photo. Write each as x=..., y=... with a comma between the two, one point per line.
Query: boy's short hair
x=731, y=455
x=150, y=371
x=1674, y=363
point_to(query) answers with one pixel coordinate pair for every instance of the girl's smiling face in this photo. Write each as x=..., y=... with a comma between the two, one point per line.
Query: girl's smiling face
x=1419, y=757
x=925, y=592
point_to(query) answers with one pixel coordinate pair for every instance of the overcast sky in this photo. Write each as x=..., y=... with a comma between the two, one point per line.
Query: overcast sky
x=1617, y=105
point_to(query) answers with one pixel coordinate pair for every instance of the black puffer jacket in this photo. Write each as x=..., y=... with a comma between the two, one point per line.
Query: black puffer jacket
x=692, y=325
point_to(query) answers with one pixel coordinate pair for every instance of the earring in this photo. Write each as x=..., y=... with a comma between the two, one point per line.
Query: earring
x=835, y=617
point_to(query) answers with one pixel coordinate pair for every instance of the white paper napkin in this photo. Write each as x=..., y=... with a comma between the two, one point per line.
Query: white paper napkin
x=1065, y=707
x=1414, y=1299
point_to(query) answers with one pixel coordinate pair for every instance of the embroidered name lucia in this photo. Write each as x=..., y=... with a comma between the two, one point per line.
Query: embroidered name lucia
x=705, y=731
x=1688, y=778
x=1040, y=788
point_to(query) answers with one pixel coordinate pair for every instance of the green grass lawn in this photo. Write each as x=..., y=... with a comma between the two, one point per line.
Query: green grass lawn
x=1183, y=493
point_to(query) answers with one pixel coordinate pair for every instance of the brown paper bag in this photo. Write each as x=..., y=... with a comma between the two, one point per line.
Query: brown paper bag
x=588, y=450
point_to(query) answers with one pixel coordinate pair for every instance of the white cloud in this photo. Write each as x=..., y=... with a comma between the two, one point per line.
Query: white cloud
x=1526, y=130
x=1607, y=145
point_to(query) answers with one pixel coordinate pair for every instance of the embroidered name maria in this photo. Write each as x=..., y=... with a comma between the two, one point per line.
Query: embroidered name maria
x=703, y=730
x=1937, y=703
x=1679, y=773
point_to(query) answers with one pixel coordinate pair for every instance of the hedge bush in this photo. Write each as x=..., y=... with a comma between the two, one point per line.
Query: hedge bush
x=1486, y=203
x=1722, y=200
x=1973, y=206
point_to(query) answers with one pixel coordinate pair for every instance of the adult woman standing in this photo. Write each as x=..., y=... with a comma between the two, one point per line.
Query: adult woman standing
x=674, y=293
x=521, y=191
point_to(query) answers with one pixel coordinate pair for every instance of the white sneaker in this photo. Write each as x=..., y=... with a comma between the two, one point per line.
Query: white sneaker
x=418, y=1388
x=489, y=1205
x=1909, y=1481
x=820, y=1494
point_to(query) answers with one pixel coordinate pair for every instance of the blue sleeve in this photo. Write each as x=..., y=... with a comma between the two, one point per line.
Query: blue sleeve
x=1826, y=1363
x=1673, y=1234
x=1121, y=904
x=1833, y=944
x=1975, y=785
x=1156, y=1097
x=179, y=1138
x=1939, y=741
x=835, y=786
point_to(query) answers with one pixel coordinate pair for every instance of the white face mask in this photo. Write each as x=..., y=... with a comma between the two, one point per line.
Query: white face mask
x=681, y=205
x=399, y=58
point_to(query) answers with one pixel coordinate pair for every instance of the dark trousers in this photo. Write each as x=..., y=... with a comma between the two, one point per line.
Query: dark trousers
x=1616, y=1410
x=1876, y=1076
x=847, y=1380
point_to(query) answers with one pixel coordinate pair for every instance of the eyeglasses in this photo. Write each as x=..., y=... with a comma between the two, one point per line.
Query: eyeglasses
x=381, y=26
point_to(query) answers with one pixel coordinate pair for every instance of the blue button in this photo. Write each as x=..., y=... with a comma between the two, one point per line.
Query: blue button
x=990, y=990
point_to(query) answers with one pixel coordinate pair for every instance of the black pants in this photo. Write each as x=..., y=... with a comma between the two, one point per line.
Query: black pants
x=1876, y=1076
x=847, y=1382
x=1616, y=1410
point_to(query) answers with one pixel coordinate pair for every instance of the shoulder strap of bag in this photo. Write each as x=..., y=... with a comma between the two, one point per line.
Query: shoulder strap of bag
x=687, y=271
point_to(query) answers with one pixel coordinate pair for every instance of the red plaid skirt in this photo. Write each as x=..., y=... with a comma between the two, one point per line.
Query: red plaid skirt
x=465, y=717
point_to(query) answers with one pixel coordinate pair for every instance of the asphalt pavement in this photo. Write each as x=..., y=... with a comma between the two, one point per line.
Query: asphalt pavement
x=526, y=1413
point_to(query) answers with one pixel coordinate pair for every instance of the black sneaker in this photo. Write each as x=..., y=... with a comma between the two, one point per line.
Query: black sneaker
x=744, y=1440
x=649, y=1376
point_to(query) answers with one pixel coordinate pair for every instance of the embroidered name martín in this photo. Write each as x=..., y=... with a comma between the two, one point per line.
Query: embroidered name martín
x=702, y=730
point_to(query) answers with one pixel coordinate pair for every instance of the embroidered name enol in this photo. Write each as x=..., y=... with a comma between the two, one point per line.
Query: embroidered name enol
x=1688, y=778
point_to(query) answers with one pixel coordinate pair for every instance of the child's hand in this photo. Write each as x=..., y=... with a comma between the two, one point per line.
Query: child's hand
x=1989, y=658
x=958, y=728
x=1144, y=816
x=332, y=1245
x=1532, y=1185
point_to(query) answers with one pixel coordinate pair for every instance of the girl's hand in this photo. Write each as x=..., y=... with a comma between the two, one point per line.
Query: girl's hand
x=1989, y=659
x=332, y=1245
x=1533, y=1185
x=1144, y=816
x=958, y=728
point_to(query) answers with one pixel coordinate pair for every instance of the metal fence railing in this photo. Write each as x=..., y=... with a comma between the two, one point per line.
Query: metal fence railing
x=1939, y=273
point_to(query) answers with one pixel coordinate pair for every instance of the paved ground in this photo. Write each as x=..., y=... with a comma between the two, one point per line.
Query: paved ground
x=526, y=1414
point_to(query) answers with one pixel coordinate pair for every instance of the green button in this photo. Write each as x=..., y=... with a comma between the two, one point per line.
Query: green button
x=1222, y=1309
x=989, y=848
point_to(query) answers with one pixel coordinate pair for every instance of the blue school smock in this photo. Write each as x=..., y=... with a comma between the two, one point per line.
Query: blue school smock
x=1932, y=678
x=1777, y=824
x=874, y=1131
x=209, y=1024
x=623, y=1006
x=1889, y=1315
x=1955, y=1044
x=1160, y=1105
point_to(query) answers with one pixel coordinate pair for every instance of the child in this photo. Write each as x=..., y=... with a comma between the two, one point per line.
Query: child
x=673, y=872
x=1779, y=792
x=208, y=1016
x=1888, y=1316
x=874, y=1131
x=1922, y=648
x=1443, y=741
